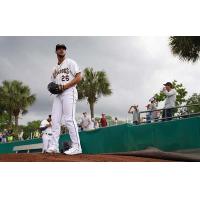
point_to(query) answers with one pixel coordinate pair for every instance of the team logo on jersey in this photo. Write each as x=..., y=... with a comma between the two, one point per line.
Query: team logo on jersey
x=61, y=71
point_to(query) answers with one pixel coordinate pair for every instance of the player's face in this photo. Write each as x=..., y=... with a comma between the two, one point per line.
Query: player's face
x=61, y=52
x=167, y=87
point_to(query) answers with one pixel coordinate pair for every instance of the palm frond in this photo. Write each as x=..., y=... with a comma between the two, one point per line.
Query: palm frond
x=186, y=47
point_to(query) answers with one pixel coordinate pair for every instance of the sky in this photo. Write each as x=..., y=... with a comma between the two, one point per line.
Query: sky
x=136, y=68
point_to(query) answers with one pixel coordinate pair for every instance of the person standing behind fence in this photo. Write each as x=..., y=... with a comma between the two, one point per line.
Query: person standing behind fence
x=4, y=135
x=85, y=122
x=169, y=101
x=135, y=112
x=148, y=114
x=96, y=124
x=103, y=120
x=116, y=121
x=20, y=136
x=0, y=137
x=153, y=108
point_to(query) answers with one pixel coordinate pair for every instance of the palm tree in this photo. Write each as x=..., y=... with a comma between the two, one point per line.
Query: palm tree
x=186, y=47
x=15, y=98
x=94, y=84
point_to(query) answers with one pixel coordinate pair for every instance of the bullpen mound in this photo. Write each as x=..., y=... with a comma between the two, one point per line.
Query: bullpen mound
x=38, y=157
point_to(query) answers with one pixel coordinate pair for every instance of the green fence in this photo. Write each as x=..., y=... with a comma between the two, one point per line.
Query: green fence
x=167, y=136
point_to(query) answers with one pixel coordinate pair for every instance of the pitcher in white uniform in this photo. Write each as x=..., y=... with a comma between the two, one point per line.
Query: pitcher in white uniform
x=65, y=73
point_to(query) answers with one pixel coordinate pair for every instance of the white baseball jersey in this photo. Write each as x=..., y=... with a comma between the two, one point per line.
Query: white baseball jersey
x=47, y=130
x=65, y=72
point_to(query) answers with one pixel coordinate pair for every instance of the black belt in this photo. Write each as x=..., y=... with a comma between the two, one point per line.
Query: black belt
x=50, y=134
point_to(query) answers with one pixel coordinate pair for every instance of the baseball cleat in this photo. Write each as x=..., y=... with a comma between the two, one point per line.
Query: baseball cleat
x=73, y=151
x=52, y=150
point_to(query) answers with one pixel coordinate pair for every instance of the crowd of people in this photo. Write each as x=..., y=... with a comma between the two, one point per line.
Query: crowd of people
x=85, y=124
x=6, y=136
x=88, y=123
x=153, y=114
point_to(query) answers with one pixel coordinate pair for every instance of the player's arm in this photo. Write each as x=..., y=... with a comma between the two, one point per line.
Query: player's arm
x=130, y=110
x=74, y=81
x=170, y=93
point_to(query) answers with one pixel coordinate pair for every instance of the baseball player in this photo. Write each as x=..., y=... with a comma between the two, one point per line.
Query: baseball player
x=66, y=74
x=45, y=128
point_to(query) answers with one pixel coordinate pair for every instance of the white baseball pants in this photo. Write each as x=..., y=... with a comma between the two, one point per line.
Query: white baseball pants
x=46, y=139
x=64, y=107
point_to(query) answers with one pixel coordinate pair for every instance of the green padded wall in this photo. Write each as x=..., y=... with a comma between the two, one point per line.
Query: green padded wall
x=167, y=136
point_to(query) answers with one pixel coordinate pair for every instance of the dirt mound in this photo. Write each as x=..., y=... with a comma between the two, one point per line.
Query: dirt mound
x=38, y=157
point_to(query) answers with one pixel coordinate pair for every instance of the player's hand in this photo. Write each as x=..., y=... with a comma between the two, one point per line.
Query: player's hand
x=164, y=88
x=49, y=125
x=66, y=86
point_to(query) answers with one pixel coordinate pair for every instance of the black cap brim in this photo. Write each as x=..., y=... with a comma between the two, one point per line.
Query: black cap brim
x=60, y=46
x=168, y=84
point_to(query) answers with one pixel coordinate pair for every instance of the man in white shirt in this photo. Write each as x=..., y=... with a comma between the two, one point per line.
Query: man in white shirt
x=169, y=101
x=135, y=112
x=67, y=75
x=45, y=128
x=85, y=122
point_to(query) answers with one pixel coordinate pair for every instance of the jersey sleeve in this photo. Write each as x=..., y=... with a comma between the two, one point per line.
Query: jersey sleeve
x=52, y=79
x=74, y=68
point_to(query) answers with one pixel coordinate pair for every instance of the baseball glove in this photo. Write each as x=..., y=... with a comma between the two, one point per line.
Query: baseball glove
x=55, y=88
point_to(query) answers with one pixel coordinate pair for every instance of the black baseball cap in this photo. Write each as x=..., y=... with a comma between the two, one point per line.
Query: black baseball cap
x=168, y=84
x=61, y=46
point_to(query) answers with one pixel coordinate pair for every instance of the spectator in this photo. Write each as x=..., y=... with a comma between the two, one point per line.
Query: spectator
x=9, y=131
x=103, y=120
x=10, y=138
x=0, y=137
x=153, y=107
x=135, y=112
x=148, y=114
x=85, y=122
x=96, y=124
x=169, y=102
x=36, y=134
x=79, y=127
x=4, y=140
x=20, y=136
x=116, y=121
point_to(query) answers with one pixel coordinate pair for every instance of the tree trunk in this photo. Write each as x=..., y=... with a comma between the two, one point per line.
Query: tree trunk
x=10, y=117
x=92, y=109
x=16, y=120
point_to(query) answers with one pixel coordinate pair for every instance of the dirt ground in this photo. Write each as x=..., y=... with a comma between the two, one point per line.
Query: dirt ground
x=38, y=157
